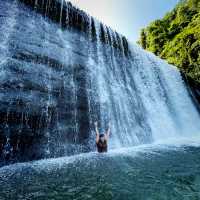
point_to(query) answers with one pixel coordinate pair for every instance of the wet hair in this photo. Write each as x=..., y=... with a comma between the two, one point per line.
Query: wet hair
x=101, y=135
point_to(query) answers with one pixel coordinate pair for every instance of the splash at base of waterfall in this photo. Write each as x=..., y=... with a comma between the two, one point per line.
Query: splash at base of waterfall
x=159, y=171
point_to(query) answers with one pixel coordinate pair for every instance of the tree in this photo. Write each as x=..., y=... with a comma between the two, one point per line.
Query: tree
x=176, y=37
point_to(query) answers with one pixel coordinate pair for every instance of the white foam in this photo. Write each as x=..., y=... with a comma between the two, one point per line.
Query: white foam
x=47, y=165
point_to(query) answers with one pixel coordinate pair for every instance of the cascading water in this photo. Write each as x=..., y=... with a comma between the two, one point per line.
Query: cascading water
x=58, y=78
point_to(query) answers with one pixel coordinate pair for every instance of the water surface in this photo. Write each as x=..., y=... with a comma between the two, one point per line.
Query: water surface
x=148, y=172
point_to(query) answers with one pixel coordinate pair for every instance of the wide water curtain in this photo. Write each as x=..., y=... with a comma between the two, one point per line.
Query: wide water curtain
x=61, y=70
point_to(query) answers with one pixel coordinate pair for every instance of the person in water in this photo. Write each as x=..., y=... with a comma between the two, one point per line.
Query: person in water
x=102, y=139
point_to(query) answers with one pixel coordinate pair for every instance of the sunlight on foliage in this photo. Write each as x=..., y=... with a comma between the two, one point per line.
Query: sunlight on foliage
x=176, y=37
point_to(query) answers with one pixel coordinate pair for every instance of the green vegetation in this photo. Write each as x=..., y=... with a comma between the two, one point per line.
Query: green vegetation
x=176, y=37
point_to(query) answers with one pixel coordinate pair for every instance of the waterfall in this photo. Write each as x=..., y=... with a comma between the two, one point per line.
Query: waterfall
x=61, y=70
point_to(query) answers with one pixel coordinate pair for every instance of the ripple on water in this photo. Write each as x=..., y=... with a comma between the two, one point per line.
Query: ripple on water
x=159, y=172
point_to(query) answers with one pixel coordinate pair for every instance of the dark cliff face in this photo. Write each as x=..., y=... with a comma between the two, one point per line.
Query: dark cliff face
x=70, y=17
x=193, y=88
x=43, y=97
x=46, y=100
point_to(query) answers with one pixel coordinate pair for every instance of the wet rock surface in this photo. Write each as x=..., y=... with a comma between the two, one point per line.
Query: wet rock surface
x=61, y=70
x=43, y=97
